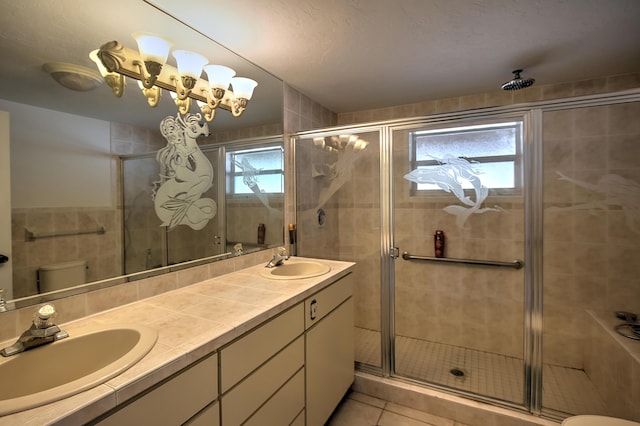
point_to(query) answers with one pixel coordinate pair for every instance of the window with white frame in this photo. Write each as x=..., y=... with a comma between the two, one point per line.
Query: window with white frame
x=255, y=170
x=487, y=155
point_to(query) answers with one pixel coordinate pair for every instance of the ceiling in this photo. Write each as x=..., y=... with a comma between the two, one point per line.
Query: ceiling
x=36, y=32
x=348, y=55
x=351, y=55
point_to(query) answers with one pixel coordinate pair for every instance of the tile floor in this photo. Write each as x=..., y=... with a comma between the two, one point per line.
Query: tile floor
x=358, y=409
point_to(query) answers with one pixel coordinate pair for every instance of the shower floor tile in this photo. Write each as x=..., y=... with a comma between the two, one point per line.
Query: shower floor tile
x=367, y=343
x=484, y=373
x=569, y=390
x=566, y=390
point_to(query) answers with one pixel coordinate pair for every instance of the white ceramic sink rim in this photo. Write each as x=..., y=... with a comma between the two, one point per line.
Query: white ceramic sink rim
x=139, y=341
x=295, y=270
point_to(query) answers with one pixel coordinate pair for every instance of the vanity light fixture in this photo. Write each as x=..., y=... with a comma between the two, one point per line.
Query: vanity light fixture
x=149, y=67
x=114, y=80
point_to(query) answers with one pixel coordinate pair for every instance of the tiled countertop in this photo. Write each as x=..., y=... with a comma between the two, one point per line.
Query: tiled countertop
x=192, y=322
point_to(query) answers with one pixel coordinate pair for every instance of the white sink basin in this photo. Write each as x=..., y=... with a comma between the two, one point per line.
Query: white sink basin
x=57, y=370
x=296, y=270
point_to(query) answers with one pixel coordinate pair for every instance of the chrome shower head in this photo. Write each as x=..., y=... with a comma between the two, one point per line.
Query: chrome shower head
x=517, y=83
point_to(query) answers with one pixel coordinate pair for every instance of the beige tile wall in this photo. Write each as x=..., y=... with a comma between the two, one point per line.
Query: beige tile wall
x=100, y=251
x=495, y=98
x=244, y=216
x=591, y=226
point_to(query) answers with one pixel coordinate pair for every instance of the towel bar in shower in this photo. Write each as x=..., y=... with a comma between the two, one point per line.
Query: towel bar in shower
x=30, y=236
x=516, y=264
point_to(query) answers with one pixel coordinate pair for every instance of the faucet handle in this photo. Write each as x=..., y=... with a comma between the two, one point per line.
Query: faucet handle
x=43, y=316
x=282, y=251
x=3, y=303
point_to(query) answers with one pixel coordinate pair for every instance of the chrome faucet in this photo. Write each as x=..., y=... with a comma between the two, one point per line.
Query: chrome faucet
x=278, y=259
x=41, y=332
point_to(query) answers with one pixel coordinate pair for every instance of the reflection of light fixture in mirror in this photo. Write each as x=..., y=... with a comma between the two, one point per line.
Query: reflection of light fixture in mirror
x=154, y=51
x=73, y=77
x=189, y=69
x=243, y=90
x=182, y=104
x=341, y=143
x=114, y=80
x=153, y=94
x=219, y=78
x=148, y=65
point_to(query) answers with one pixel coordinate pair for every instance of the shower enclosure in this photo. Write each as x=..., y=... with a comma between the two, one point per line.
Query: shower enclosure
x=538, y=208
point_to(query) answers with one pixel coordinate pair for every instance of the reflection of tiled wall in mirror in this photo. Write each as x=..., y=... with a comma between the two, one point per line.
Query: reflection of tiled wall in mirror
x=102, y=252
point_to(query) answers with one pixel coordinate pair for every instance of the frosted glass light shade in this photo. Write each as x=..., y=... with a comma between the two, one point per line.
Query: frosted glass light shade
x=243, y=87
x=189, y=63
x=219, y=76
x=152, y=47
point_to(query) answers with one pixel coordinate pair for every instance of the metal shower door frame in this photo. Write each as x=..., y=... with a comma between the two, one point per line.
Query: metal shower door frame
x=390, y=252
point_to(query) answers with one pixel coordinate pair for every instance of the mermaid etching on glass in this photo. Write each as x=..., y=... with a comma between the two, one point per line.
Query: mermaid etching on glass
x=185, y=175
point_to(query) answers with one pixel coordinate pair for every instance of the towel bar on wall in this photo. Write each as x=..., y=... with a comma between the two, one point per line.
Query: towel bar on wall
x=516, y=264
x=30, y=236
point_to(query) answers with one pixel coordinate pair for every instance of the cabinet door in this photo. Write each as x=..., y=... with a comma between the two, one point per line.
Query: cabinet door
x=329, y=362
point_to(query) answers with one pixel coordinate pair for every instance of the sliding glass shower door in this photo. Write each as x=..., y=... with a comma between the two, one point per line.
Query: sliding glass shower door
x=458, y=229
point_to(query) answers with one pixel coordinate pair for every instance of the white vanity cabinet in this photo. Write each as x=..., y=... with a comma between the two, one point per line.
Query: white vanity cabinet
x=190, y=394
x=329, y=347
x=292, y=369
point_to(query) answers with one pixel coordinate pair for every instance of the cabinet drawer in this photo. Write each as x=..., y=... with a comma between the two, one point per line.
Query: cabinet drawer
x=239, y=403
x=210, y=416
x=246, y=354
x=299, y=421
x=326, y=300
x=175, y=401
x=283, y=407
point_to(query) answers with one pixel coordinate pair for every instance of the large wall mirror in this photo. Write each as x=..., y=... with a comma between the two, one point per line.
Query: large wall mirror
x=87, y=167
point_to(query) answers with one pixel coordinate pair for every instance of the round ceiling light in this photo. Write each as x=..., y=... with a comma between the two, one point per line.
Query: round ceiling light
x=74, y=77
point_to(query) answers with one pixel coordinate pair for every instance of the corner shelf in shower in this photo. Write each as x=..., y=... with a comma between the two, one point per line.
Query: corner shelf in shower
x=516, y=264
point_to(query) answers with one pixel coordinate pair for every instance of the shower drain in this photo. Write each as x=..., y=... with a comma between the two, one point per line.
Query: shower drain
x=457, y=372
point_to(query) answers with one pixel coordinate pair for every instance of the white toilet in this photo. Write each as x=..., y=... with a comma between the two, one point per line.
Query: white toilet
x=589, y=420
x=62, y=275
